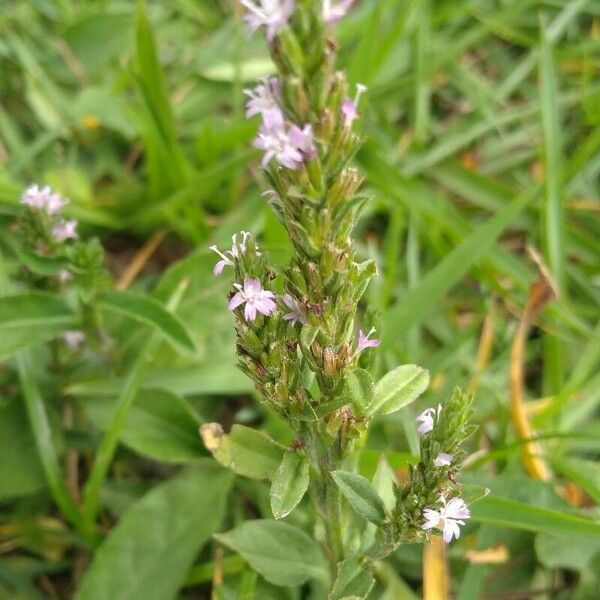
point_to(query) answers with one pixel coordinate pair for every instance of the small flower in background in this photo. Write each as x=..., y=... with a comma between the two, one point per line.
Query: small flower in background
x=350, y=106
x=73, y=339
x=275, y=140
x=237, y=249
x=43, y=198
x=273, y=14
x=65, y=230
x=254, y=297
x=264, y=97
x=296, y=314
x=64, y=275
x=333, y=13
x=365, y=342
x=448, y=518
x=427, y=419
x=443, y=460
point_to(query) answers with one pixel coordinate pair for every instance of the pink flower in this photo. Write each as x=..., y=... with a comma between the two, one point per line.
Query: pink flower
x=296, y=314
x=332, y=14
x=73, y=338
x=350, y=107
x=290, y=146
x=65, y=230
x=237, y=249
x=303, y=140
x=255, y=298
x=264, y=97
x=427, y=419
x=273, y=14
x=44, y=198
x=64, y=275
x=365, y=342
x=448, y=518
x=443, y=460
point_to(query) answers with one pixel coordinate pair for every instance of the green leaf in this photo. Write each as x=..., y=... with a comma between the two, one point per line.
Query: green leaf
x=384, y=483
x=359, y=387
x=283, y=554
x=20, y=469
x=398, y=388
x=560, y=552
x=148, y=554
x=361, y=495
x=290, y=483
x=353, y=580
x=246, y=451
x=149, y=311
x=585, y=473
x=36, y=309
x=161, y=425
x=528, y=517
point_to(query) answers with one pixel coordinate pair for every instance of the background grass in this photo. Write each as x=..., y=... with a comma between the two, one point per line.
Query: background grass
x=482, y=126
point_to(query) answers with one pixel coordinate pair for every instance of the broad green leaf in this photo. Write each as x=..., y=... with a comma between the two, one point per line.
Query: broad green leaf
x=398, y=388
x=161, y=425
x=361, y=495
x=36, y=309
x=148, y=554
x=246, y=451
x=283, y=554
x=359, y=387
x=562, y=552
x=353, y=580
x=149, y=311
x=290, y=483
x=20, y=469
x=585, y=473
x=528, y=517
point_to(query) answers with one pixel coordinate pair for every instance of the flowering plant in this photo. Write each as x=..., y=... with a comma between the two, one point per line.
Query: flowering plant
x=299, y=333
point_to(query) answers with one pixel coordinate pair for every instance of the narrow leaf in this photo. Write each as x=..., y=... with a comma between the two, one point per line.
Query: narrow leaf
x=398, y=388
x=149, y=311
x=289, y=484
x=361, y=495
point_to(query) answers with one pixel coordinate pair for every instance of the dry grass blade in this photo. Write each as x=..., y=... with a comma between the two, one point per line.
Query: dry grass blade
x=140, y=259
x=435, y=570
x=541, y=293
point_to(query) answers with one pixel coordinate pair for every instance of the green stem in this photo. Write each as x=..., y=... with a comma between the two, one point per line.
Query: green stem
x=42, y=433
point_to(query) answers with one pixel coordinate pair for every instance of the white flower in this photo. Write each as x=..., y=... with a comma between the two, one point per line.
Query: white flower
x=427, y=419
x=273, y=14
x=296, y=314
x=264, y=97
x=73, y=338
x=447, y=518
x=65, y=230
x=237, y=249
x=42, y=198
x=443, y=460
x=333, y=13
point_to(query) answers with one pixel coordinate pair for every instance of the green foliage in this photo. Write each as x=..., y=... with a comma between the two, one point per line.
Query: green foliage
x=482, y=136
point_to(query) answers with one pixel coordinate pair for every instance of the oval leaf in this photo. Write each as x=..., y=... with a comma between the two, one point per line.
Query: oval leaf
x=149, y=311
x=289, y=484
x=29, y=311
x=398, y=388
x=359, y=387
x=353, y=580
x=361, y=495
x=246, y=451
x=281, y=553
x=148, y=554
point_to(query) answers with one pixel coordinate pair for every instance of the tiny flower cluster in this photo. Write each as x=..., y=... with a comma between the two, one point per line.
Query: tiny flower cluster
x=45, y=201
x=289, y=144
